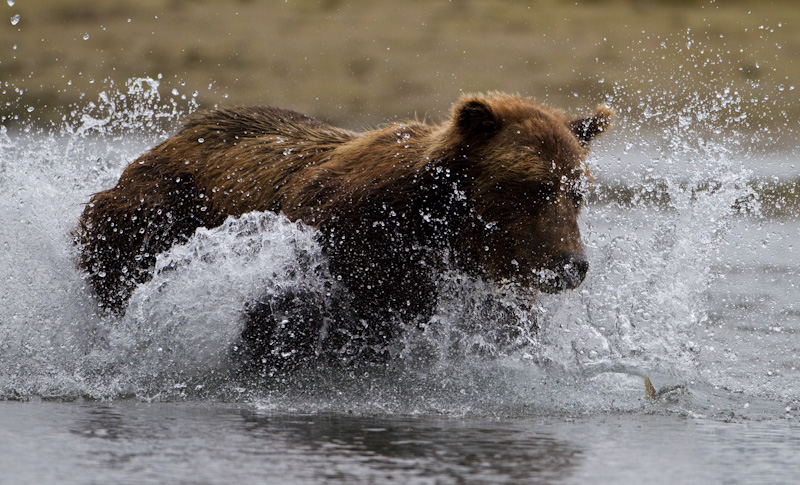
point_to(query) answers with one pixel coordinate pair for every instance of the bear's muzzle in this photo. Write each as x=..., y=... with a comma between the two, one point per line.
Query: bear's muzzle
x=569, y=273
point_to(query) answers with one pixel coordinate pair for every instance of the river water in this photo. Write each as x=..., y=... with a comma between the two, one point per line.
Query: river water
x=130, y=442
x=693, y=282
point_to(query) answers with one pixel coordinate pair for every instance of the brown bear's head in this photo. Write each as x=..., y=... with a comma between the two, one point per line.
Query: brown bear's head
x=522, y=168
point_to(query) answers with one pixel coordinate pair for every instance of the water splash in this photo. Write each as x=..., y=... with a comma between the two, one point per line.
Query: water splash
x=654, y=247
x=45, y=312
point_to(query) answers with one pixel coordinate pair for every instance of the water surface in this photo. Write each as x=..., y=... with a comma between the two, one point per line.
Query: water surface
x=128, y=442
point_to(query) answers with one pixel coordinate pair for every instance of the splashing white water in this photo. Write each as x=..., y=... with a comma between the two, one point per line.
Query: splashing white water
x=643, y=309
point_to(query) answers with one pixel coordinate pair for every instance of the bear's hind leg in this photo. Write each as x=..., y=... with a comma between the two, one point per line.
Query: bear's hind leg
x=123, y=229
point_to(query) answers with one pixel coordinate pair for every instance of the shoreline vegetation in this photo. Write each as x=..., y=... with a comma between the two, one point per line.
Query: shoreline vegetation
x=363, y=63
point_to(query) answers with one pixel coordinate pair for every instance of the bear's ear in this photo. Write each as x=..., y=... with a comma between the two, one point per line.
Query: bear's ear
x=587, y=128
x=475, y=119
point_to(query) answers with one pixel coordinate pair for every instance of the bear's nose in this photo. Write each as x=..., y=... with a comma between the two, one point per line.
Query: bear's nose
x=573, y=268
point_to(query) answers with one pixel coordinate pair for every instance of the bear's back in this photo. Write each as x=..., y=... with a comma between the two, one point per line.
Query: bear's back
x=230, y=125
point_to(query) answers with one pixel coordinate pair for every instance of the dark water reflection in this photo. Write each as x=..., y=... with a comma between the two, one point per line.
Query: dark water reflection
x=423, y=448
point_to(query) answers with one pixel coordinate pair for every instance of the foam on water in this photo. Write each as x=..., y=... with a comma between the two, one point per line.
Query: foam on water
x=643, y=309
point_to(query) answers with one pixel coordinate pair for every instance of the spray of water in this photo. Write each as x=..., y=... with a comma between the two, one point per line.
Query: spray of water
x=653, y=237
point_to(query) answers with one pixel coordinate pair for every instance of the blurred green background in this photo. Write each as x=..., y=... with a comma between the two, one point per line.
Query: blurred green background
x=365, y=62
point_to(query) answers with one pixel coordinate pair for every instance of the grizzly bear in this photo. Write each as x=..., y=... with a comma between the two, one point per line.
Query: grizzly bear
x=494, y=192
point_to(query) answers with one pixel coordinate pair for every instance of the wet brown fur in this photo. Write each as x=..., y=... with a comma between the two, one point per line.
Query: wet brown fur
x=498, y=187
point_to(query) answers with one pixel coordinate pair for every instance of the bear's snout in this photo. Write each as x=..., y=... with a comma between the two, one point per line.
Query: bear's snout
x=573, y=268
x=569, y=272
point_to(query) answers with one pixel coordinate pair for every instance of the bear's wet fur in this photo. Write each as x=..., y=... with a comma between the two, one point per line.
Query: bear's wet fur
x=494, y=191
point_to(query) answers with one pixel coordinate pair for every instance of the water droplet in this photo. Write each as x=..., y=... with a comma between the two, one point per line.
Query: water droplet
x=15, y=19
x=10, y=3
x=85, y=36
x=781, y=87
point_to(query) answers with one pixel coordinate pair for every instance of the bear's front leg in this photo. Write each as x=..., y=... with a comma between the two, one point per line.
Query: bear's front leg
x=282, y=331
x=299, y=327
